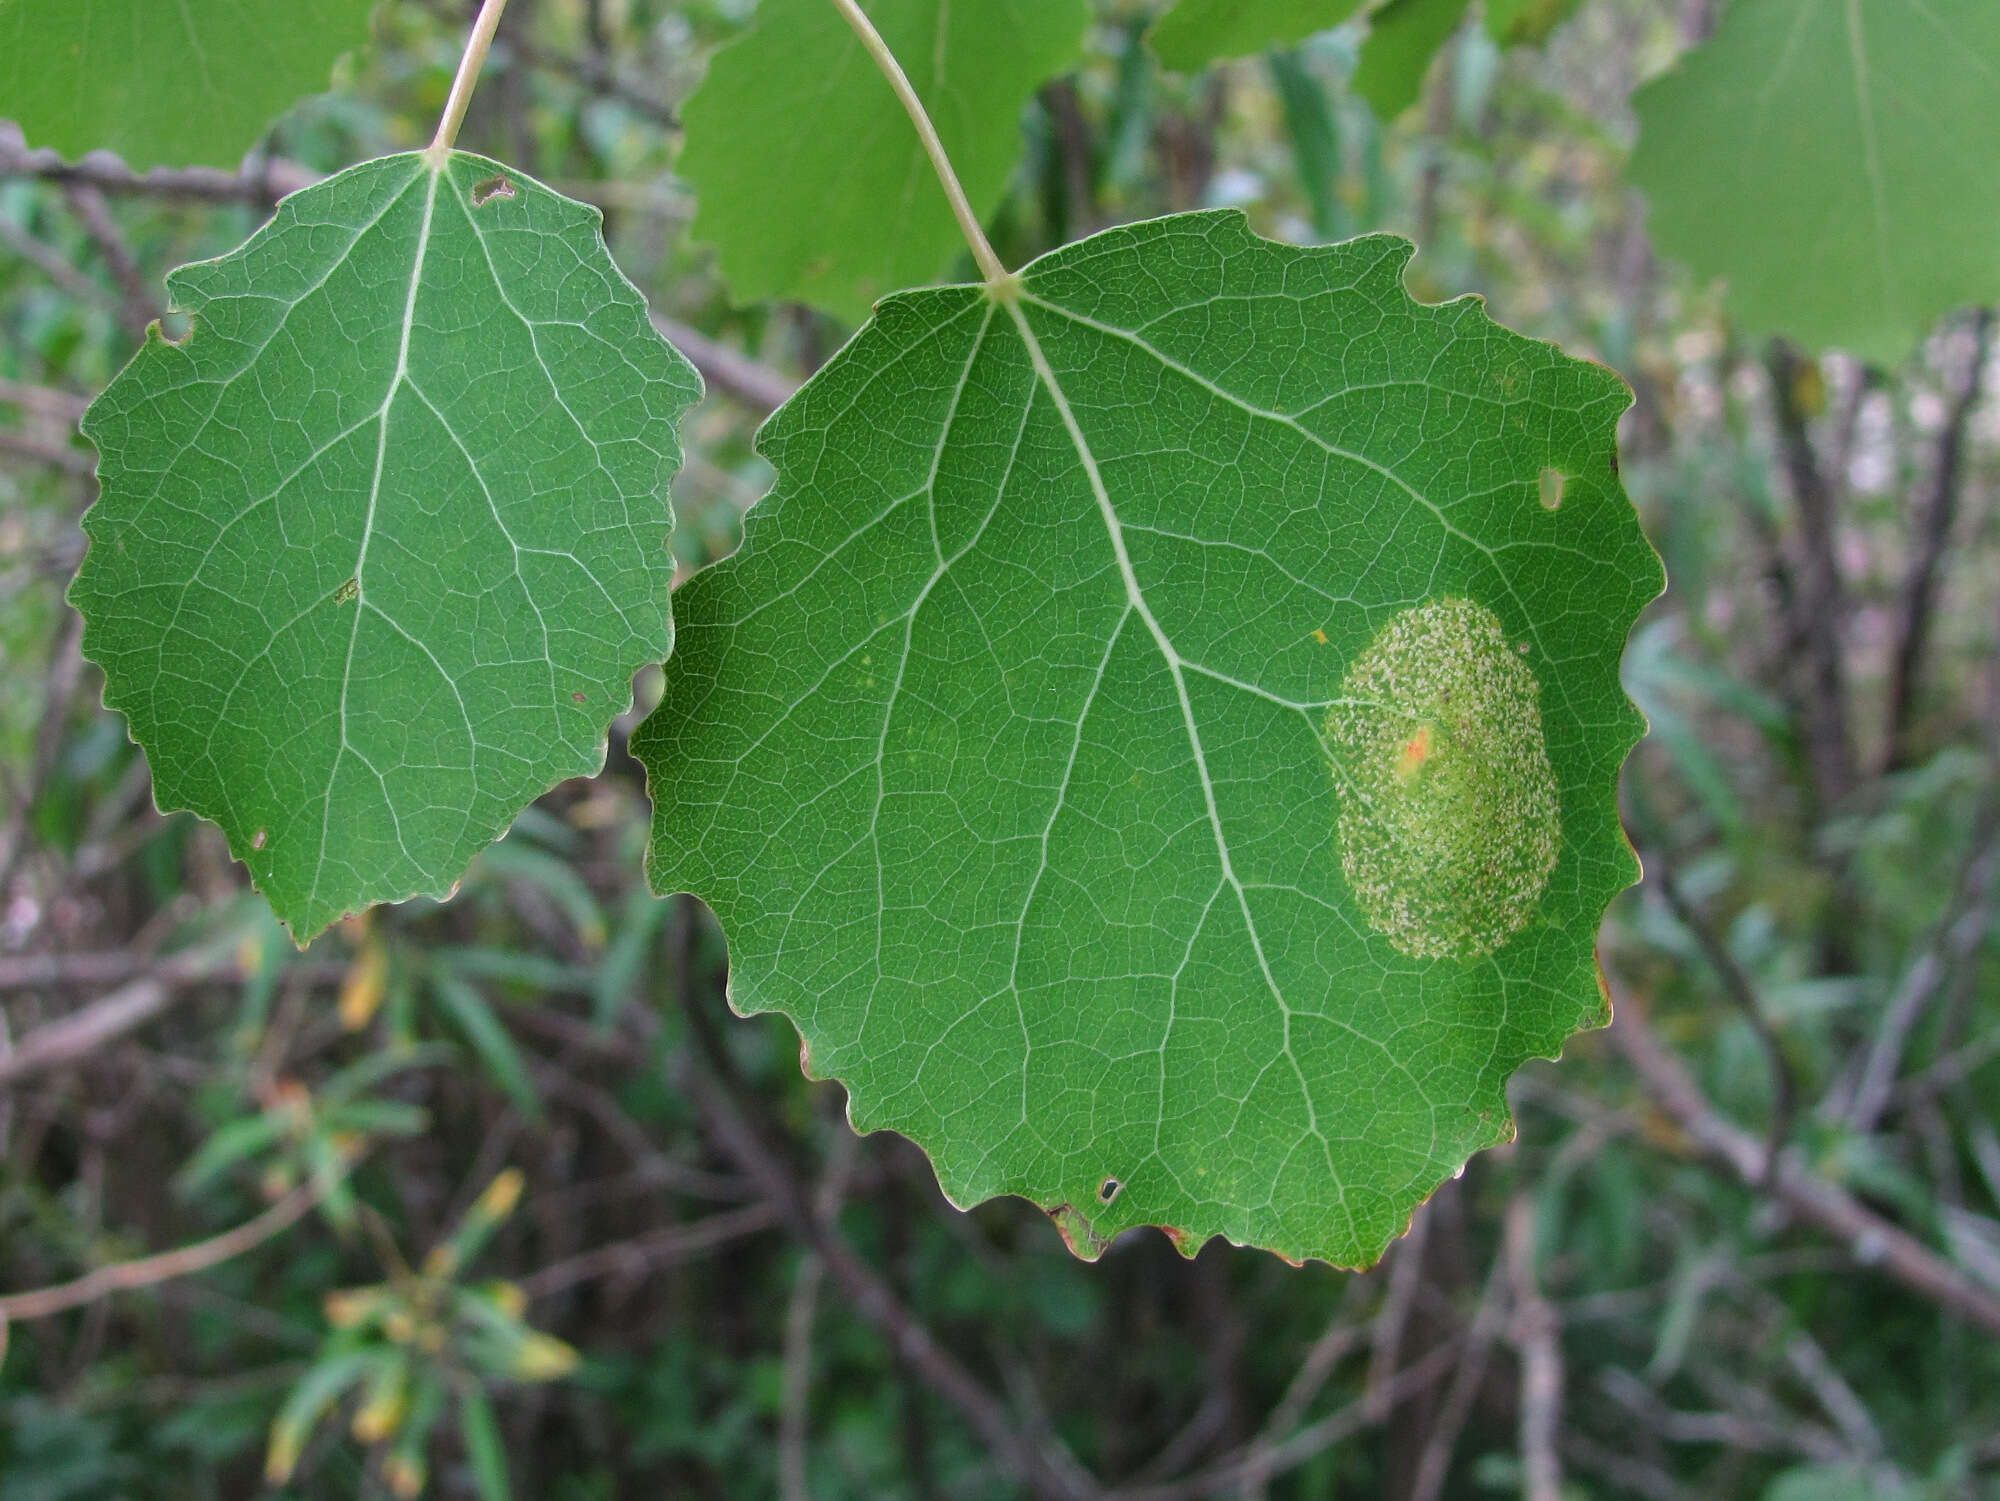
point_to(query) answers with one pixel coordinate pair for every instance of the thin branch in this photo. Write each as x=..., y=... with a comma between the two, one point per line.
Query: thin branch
x=1968, y=918
x=998, y=277
x=1535, y=1327
x=1309, y=1442
x=757, y=386
x=137, y=304
x=127, y=1276
x=1742, y=994
x=801, y=1314
x=1434, y=1464
x=1873, y=1240
x=264, y=183
x=647, y=1253
x=78, y=461
x=1821, y=603
x=1406, y=1275
x=78, y=1036
x=467, y=78
x=1343, y=1333
x=63, y=407
x=53, y=264
x=1936, y=518
x=59, y=687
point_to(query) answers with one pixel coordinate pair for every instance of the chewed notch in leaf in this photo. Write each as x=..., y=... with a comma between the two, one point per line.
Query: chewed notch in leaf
x=377, y=536
x=1001, y=748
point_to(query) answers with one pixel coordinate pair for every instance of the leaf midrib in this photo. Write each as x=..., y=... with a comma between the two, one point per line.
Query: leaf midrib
x=435, y=171
x=1136, y=598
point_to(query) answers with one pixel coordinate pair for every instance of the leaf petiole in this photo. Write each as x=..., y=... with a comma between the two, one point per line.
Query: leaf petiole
x=467, y=78
x=1000, y=281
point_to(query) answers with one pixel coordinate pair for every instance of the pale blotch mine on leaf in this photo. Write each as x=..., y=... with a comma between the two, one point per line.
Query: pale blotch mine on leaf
x=1449, y=818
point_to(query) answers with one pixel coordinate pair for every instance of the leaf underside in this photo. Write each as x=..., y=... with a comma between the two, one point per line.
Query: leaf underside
x=192, y=81
x=1016, y=748
x=1838, y=165
x=810, y=182
x=382, y=541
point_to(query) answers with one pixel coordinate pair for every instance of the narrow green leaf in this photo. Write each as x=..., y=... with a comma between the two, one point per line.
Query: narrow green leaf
x=490, y=1040
x=1315, y=135
x=812, y=185
x=1196, y=33
x=1838, y=166
x=484, y=1448
x=191, y=81
x=326, y=1380
x=1155, y=741
x=1403, y=37
x=1515, y=22
x=382, y=542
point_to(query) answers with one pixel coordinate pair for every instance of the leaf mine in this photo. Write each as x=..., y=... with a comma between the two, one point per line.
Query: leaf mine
x=1450, y=819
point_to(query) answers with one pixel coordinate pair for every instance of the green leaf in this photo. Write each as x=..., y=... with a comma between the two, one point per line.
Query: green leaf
x=1154, y=740
x=811, y=184
x=1837, y=165
x=1403, y=37
x=382, y=542
x=490, y=1039
x=191, y=81
x=1514, y=22
x=484, y=1448
x=1196, y=33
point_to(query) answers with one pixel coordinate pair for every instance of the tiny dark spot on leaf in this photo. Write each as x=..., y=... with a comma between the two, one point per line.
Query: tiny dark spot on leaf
x=491, y=188
x=1109, y=1190
x=347, y=591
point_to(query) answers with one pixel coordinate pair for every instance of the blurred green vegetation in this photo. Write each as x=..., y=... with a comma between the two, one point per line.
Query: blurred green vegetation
x=1815, y=940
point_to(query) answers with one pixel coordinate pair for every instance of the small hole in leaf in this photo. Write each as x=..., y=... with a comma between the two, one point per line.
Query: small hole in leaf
x=176, y=328
x=1109, y=1190
x=491, y=188
x=347, y=591
x=1551, y=487
x=259, y=839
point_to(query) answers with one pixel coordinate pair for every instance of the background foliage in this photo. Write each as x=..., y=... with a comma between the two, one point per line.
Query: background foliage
x=1626, y=1295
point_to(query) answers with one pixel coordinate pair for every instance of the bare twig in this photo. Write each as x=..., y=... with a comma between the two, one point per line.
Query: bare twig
x=126, y=1276
x=1343, y=1333
x=795, y=1405
x=53, y=264
x=1535, y=1328
x=649, y=1252
x=46, y=402
x=758, y=387
x=1434, y=1464
x=1736, y=984
x=1968, y=918
x=1873, y=1239
x=265, y=182
x=1406, y=1275
x=60, y=681
x=76, y=1037
x=78, y=461
x=1820, y=623
x=1313, y=1439
x=1936, y=517
x=136, y=304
